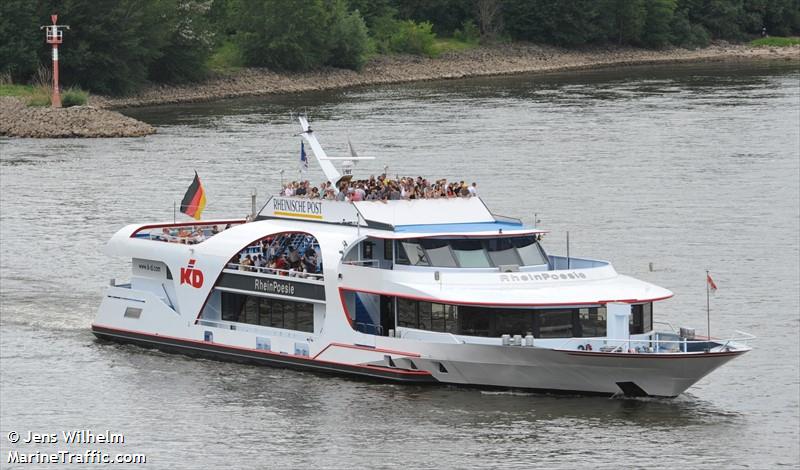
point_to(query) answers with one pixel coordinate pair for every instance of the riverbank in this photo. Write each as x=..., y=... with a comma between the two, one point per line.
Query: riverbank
x=99, y=119
x=504, y=59
x=17, y=119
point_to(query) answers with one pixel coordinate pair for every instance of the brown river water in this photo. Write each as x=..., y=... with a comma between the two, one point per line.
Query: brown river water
x=685, y=167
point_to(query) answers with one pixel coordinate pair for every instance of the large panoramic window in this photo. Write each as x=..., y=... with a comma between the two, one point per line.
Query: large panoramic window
x=470, y=252
x=497, y=321
x=276, y=313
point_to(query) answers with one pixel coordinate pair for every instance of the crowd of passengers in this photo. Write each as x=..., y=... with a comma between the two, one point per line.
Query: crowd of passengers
x=189, y=235
x=381, y=188
x=284, y=255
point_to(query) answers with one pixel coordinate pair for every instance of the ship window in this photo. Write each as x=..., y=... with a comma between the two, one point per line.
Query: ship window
x=263, y=311
x=511, y=321
x=593, y=321
x=529, y=251
x=496, y=321
x=502, y=251
x=470, y=253
x=439, y=253
x=425, y=315
x=387, y=249
x=251, y=311
x=410, y=252
x=641, y=318
x=407, y=313
x=555, y=324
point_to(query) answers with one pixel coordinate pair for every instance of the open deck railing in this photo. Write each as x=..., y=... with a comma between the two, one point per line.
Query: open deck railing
x=279, y=272
x=657, y=343
x=199, y=231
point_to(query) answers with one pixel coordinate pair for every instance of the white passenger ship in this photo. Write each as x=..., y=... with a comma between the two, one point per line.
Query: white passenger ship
x=415, y=291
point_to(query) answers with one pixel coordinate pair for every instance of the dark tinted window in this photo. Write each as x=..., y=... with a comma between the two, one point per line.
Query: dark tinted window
x=641, y=318
x=593, y=321
x=268, y=312
x=555, y=324
x=407, y=313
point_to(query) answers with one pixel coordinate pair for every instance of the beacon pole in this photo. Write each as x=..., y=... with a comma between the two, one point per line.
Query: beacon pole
x=54, y=35
x=708, y=313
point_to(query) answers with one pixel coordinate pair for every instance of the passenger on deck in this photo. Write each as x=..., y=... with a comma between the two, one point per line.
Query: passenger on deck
x=294, y=255
x=281, y=265
x=246, y=264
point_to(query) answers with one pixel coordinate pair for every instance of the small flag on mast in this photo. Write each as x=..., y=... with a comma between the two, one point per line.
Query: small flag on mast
x=711, y=284
x=303, y=157
x=194, y=201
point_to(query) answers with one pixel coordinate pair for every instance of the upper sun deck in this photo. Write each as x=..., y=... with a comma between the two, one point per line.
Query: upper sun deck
x=416, y=217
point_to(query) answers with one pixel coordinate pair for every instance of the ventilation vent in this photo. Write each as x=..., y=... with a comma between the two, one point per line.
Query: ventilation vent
x=442, y=368
x=133, y=312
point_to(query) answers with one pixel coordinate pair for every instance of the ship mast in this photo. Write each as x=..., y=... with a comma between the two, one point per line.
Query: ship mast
x=331, y=173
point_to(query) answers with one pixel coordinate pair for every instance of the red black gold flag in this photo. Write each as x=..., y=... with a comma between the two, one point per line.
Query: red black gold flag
x=194, y=201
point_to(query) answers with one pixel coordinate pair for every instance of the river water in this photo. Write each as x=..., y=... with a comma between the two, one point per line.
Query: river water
x=688, y=168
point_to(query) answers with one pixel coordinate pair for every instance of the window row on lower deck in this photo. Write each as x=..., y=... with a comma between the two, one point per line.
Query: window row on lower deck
x=496, y=321
x=275, y=313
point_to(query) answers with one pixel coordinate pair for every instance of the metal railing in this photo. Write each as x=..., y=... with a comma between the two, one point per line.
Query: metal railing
x=205, y=230
x=657, y=343
x=273, y=271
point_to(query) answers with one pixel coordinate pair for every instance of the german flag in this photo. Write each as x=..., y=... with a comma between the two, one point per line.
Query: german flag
x=194, y=201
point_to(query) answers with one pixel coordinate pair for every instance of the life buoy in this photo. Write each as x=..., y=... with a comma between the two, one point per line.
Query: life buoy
x=580, y=347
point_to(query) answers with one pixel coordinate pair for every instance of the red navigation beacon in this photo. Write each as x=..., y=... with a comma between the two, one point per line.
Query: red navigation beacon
x=54, y=34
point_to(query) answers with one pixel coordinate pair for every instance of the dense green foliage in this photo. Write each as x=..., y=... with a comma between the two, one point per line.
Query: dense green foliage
x=775, y=42
x=73, y=97
x=115, y=46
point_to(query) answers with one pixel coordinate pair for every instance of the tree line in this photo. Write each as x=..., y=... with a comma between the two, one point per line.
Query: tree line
x=114, y=47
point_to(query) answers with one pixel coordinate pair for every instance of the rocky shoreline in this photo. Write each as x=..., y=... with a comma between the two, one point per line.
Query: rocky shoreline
x=98, y=119
x=17, y=119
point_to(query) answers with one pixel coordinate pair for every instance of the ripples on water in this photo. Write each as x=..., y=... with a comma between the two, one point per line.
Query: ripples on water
x=690, y=168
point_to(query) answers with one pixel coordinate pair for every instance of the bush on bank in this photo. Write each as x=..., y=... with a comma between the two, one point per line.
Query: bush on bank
x=117, y=47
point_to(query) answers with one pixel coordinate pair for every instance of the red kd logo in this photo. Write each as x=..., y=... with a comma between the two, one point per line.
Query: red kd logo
x=192, y=276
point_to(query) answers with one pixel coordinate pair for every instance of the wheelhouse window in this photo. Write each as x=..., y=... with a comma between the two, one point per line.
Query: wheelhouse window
x=439, y=252
x=502, y=251
x=276, y=313
x=470, y=252
x=410, y=252
x=529, y=251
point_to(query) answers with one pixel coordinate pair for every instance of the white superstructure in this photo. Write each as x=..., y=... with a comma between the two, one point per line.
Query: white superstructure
x=426, y=290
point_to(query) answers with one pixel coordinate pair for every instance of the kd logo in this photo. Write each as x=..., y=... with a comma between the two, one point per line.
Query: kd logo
x=192, y=276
